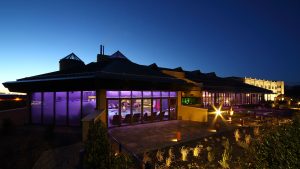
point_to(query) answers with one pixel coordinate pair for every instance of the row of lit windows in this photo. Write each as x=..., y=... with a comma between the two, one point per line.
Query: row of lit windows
x=140, y=94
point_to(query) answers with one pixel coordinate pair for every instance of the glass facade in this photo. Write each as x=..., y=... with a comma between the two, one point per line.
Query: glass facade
x=228, y=99
x=36, y=107
x=48, y=108
x=140, y=107
x=88, y=102
x=61, y=108
x=74, y=108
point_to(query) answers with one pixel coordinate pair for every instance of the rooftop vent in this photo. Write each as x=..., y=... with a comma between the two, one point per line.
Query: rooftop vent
x=70, y=61
x=101, y=56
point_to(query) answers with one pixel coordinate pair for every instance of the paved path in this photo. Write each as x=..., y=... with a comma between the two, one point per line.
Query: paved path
x=146, y=137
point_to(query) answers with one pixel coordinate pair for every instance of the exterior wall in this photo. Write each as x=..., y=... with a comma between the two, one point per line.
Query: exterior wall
x=193, y=114
x=277, y=87
x=102, y=105
x=189, y=112
x=193, y=93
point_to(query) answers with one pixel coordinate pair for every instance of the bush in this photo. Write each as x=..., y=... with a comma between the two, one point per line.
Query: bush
x=97, y=148
x=121, y=161
x=98, y=152
x=279, y=148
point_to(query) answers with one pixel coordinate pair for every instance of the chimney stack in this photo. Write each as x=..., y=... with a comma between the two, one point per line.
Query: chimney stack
x=101, y=53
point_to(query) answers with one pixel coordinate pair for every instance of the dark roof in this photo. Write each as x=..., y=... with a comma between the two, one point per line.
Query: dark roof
x=211, y=82
x=114, y=72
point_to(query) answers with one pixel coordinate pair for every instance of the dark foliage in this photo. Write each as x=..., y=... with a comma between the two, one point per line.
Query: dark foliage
x=279, y=148
x=98, y=152
x=97, y=147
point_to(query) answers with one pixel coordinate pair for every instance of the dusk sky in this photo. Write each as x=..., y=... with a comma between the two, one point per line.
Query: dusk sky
x=251, y=38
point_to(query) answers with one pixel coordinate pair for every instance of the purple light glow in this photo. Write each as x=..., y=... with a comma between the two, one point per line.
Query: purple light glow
x=165, y=94
x=112, y=94
x=48, y=109
x=36, y=108
x=125, y=94
x=147, y=94
x=173, y=94
x=156, y=94
x=88, y=102
x=136, y=94
x=74, y=108
x=61, y=108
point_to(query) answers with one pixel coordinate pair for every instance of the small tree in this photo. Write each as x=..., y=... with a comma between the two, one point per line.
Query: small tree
x=97, y=147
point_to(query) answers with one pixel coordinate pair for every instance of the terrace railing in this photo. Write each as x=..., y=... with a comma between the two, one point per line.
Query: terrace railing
x=118, y=147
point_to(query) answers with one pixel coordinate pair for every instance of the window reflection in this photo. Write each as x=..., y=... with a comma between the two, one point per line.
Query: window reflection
x=136, y=110
x=61, y=108
x=48, y=108
x=125, y=111
x=113, y=112
x=146, y=110
x=36, y=113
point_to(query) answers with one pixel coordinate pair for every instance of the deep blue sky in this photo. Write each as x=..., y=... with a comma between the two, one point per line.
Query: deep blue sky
x=232, y=38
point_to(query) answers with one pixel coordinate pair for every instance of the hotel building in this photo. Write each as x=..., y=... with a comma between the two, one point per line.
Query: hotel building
x=277, y=87
x=121, y=92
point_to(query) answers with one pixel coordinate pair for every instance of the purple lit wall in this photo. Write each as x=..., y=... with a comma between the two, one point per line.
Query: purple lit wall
x=48, y=109
x=74, y=108
x=61, y=108
x=36, y=114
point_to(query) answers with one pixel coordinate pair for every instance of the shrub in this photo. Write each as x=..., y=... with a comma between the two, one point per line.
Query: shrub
x=121, y=161
x=97, y=147
x=99, y=154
